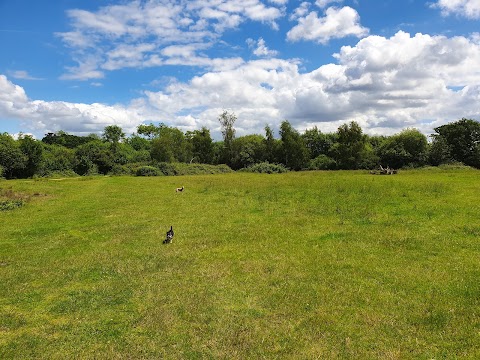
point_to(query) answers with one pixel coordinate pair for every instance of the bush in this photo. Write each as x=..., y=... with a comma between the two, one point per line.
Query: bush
x=266, y=168
x=172, y=169
x=167, y=169
x=322, y=162
x=10, y=204
x=127, y=169
x=148, y=171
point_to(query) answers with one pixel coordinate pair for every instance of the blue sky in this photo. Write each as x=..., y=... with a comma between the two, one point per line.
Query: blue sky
x=80, y=65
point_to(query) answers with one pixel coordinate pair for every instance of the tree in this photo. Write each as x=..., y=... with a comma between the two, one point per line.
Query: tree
x=408, y=148
x=33, y=151
x=93, y=157
x=271, y=146
x=67, y=140
x=113, y=134
x=12, y=159
x=317, y=143
x=294, y=152
x=247, y=150
x=439, y=151
x=139, y=143
x=170, y=146
x=227, y=120
x=201, y=145
x=463, y=139
x=350, y=146
x=150, y=131
x=56, y=158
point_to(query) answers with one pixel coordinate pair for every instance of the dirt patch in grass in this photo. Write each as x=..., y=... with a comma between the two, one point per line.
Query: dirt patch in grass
x=10, y=200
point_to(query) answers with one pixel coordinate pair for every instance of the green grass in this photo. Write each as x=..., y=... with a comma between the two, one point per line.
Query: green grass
x=290, y=266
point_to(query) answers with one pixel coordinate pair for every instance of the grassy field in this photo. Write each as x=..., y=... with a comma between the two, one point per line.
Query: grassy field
x=294, y=266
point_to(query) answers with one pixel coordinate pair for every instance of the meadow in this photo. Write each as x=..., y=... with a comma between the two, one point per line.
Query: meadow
x=303, y=265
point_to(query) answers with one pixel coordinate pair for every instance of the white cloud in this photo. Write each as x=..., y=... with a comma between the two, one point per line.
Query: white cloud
x=133, y=34
x=465, y=8
x=23, y=75
x=324, y=3
x=385, y=84
x=46, y=116
x=300, y=11
x=337, y=23
x=260, y=49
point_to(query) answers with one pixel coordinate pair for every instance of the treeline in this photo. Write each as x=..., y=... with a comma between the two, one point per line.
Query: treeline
x=156, y=149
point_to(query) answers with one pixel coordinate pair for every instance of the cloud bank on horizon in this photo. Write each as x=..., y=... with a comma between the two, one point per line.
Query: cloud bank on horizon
x=241, y=55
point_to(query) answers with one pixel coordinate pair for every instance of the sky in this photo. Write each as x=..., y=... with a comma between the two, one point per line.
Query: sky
x=81, y=65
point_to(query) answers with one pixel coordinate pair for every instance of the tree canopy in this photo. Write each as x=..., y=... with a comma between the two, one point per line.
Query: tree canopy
x=152, y=145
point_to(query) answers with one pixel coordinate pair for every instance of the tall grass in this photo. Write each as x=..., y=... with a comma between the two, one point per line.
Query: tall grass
x=297, y=265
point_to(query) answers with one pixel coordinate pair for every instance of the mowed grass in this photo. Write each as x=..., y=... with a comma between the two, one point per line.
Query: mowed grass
x=293, y=266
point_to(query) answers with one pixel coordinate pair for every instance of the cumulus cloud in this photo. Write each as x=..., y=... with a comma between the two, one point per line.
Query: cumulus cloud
x=324, y=3
x=46, y=116
x=465, y=8
x=337, y=23
x=133, y=34
x=385, y=84
x=260, y=49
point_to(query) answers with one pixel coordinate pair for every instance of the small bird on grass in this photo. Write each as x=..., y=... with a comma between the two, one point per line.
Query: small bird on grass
x=169, y=237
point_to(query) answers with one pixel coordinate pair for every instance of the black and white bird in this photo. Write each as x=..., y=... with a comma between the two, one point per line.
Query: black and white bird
x=169, y=237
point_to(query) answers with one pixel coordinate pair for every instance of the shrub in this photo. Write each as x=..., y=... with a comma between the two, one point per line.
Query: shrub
x=172, y=169
x=10, y=204
x=266, y=168
x=126, y=169
x=322, y=162
x=148, y=171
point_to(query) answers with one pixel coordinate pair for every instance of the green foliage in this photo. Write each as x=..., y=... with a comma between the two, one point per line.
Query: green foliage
x=202, y=145
x=10, y=200
x=12, y=159
x=266, y=168
x=113, y=134
x=408, y=148
x=138, y=143
x=148, y=171
x=293, y=149
x=33, y=151
x=318, y=143
x=56, y=159
x=322, y=162
x=227, y=120
x=247, y=150
x=177, y=169
x=93, y=157
x=272, y=146
x=463, y=140
x=10, y=204
x=350, y=146
x=170, y=146
x=439, y=151
x=151, y=131
x=69, y=141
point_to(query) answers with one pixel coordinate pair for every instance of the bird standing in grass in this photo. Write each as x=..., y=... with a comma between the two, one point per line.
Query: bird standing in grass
x=169, y=238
